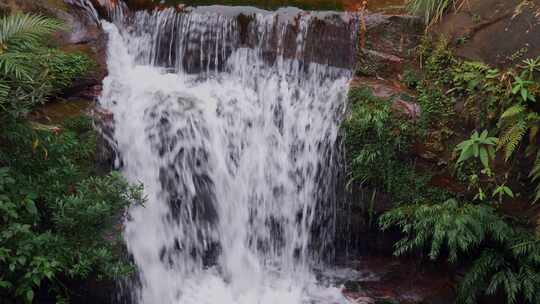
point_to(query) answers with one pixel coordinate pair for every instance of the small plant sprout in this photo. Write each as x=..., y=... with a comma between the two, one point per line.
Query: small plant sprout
x=501, y=191
x=480, y=146
x=530, y=66
x=521, y=87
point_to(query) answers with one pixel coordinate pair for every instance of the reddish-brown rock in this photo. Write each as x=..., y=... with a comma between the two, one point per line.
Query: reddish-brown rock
x=498, y=32
x=402, y=281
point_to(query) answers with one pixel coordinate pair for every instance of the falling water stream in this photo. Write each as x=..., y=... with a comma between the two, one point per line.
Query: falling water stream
x=236, y=148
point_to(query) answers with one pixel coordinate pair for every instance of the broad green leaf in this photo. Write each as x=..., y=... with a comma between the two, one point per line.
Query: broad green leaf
x=516, y=88
x=508, y=191
x=30, y=296
x=5, y=285
x=465, y=154
x=31, y=207
x=524, y=94
x=484, y=157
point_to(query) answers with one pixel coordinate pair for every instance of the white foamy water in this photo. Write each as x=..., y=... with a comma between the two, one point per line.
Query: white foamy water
x=237, y=158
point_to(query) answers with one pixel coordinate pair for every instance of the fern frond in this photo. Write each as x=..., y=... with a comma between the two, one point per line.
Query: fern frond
x=4, y=93
x=534, y=175
x=511, y=138
x=476, y=278
x=509, y=260
x=513, y=111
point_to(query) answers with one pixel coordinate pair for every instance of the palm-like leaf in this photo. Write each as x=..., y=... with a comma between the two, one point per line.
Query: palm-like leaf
x=4, y=92
x=21, y=31
x=16, y=65
x=20, y=34
x=535, y=176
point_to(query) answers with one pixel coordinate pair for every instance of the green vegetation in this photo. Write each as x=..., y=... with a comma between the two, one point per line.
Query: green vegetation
x=29, y=70
x=505, y=258
x=431, y=10
x=374, y=141
x=57, y=215
x=483, y=123
x=478, y=146
x=376, y=144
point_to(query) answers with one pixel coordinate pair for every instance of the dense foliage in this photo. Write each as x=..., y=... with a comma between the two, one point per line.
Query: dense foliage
x=374, y=141
x=505, y=258
x=492, y=136
x=58, y=218
x=376, y=146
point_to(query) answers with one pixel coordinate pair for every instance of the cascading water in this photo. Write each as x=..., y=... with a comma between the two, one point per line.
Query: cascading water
x=233, y=136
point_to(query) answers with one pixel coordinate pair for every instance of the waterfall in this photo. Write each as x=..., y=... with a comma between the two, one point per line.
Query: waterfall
x=231, y=123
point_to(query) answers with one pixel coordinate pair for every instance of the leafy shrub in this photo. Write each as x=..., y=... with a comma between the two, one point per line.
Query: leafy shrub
x=411, y=79
x=57, y=218
x=436, y=58
x=55, y=215
x=437, y=106
x=373, y=140
x=504, y=258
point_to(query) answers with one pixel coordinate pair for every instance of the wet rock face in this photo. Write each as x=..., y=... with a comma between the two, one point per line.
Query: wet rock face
x=107, y=156
x=498, y=32
x=388, y=39
x=389, y=44
x=239, y=27
x=333, y=30
x=395, y=6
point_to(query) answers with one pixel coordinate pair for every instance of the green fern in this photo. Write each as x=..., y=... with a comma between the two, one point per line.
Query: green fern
x=515, y=122
x=509, y=258
x=535, y=176
x=512, y=136
x=513, y=111
x=4, y=93
x=460, y=228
